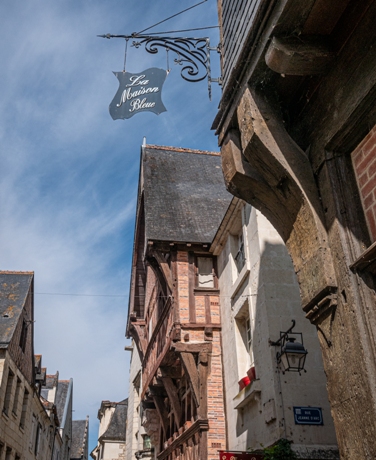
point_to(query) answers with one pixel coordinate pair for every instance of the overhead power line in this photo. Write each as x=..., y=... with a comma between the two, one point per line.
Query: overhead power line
x=170, y=17
x=81, y=295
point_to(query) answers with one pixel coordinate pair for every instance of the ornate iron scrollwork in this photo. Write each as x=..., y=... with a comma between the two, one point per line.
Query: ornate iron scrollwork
x=193, y=54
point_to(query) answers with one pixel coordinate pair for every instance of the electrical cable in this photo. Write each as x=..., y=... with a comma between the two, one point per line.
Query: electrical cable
x=183, y=30
x=125, y=295
x=164, y=20
x=81, y=295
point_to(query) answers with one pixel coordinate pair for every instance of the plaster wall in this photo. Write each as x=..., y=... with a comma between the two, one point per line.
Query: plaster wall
x=266, y=289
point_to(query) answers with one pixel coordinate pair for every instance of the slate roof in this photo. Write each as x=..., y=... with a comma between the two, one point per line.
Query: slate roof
x=79, y=439
x=184, y=194
x=117, y=426
x=14, y=287
x=61, y=398
x=51, y=382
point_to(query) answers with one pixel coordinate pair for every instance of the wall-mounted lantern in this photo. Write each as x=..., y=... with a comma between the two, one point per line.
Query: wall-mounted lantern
x=292, y=354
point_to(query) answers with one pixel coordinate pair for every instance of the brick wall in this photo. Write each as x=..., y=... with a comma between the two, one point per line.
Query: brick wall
x=364, y=161
x=183, y=294
x=216, y=413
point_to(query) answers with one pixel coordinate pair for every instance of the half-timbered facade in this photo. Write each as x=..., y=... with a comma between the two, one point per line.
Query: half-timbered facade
x=174, y=314
x=296, y=126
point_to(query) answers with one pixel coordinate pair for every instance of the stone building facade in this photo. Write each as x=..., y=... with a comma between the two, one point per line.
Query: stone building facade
x=259, y=299
x=58, y=394
x=296, y=130
x=27, y=425
x=174, y=316
x=112, y=431
x=139, y=443
x=36, y=408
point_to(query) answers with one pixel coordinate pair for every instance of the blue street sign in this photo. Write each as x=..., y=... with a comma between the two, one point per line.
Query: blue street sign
x=308, y=416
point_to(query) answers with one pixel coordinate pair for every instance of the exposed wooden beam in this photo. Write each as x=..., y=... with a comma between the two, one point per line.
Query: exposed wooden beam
x=192, y=347
x=341, y=111
x=140, y=337
x=203, y=375
x=162, y=411
x=175, y=372
x=163, y=266
x=299, y=55
x=173, y=396
x=192, y=374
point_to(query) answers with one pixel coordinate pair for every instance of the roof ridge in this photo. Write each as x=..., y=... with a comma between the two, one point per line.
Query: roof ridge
x=15, y=272
x=182, y=149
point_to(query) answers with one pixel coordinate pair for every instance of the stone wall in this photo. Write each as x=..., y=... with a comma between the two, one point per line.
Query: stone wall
x=25, y=428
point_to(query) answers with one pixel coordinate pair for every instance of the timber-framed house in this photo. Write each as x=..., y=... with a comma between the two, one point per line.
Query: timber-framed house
x=174, y=314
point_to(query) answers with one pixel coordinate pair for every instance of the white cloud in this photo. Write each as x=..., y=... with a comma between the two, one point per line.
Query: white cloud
x=69, y=172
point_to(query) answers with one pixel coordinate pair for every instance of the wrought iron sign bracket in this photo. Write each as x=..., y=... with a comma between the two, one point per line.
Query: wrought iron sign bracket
x=193, y=54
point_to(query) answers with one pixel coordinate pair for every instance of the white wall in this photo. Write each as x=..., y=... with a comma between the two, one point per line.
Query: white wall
x=267, y=290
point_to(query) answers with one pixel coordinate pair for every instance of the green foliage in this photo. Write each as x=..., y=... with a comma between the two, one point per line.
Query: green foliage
x=280, y=451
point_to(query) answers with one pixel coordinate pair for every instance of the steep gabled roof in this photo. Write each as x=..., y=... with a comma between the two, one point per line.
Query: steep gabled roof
x=61, y=399
x=80, y=430
x=117, y=426
x=14, y=288
x=185, y=197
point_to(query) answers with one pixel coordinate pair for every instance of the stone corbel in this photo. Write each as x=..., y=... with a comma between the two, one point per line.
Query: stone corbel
x=303, y=55
x=321, y=311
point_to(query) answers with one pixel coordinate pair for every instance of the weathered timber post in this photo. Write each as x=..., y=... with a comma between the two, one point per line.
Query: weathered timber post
x=315, y=211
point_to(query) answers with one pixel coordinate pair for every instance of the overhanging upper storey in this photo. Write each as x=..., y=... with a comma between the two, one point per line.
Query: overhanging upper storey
x=181, y=201
x=304, y=56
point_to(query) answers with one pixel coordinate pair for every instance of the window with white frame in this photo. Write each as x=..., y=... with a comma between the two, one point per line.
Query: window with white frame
x=240, y=255
x=238, y=242
x=243, y=336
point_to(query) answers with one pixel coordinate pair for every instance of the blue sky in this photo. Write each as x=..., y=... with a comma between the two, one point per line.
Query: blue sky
x=69, y=172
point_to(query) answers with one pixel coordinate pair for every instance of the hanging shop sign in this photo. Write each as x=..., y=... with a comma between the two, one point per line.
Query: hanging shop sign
x=223, y=455
x=138, y=92
x=308, y=416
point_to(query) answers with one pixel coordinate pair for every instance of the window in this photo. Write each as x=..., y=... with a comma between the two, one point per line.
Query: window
x=17, y=396
x=37, y=439
x=8, y=453
x=240, y=255
x=24, y=408
x=33, y=432
x=238, y=241
x=23, y=336
x=205, y=272
x=8, y=392
x=248, y=334
x=243, y=335
x=146, y=444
